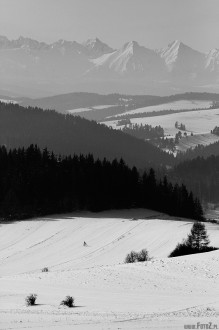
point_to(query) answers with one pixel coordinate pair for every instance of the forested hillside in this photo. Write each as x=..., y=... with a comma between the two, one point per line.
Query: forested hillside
x=201, y=176
x=68, y=135
x=199, y=151
x=35, y=182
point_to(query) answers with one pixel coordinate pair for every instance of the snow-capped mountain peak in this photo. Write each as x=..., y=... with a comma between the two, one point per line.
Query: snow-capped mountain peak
x=64, y=45
x=171, y=52
x=130, y=69
x=131, y=45
x=212, y=60
x=176, y=44
x=28, y=42
x=90, y=43
x=177, y=56
x=96, y=47
x=130, y=59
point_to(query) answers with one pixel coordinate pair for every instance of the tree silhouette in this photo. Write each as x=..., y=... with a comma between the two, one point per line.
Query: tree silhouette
x=198, y=238
x=36, y=182
x=196, y=242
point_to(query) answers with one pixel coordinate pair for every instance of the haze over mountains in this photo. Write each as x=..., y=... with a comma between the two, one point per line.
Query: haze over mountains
x=32, y=68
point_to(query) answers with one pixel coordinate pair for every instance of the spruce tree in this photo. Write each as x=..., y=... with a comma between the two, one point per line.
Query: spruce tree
x=198, y=238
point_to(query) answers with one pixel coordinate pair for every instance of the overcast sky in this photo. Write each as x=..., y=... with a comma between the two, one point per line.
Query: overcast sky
x=153, y=23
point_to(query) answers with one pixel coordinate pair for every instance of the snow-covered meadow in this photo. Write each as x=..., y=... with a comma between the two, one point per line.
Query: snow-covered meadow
x=162, y=293
x=197, y=122
x=8, y=101
x=191, y=142
x=177, y=105
x=96, y=107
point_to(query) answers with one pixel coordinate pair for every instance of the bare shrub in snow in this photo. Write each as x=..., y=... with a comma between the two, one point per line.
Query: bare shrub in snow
x=142, y=255
x=131, y=257
x=137, y=256
x=31, y=299
x=68, y=301
x=45, y=269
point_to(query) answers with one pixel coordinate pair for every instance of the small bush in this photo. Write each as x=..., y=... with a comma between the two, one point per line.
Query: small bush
x=142, y=255
x=45, y=269
x=31, y=299
x=68, y=301
x=131, y=257
x=137, y=256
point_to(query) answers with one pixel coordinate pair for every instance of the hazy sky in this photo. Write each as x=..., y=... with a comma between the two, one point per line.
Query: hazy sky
x=153, y=23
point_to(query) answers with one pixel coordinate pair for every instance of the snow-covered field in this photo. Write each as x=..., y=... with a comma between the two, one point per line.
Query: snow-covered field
x=177, y=105
x=96, y=107
x=162, y=293
x=191, y=142
x=198, y=122
x=8, y=101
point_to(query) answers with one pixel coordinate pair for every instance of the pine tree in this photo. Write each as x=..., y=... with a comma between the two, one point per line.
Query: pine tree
x=198, y=238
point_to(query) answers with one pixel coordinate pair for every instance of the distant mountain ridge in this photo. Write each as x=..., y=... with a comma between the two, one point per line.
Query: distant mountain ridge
x=34, y=68
x=64, y=102
x=89, y=47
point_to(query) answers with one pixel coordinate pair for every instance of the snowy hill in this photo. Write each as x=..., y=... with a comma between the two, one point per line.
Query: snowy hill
x=96, y=48
x=162, y=293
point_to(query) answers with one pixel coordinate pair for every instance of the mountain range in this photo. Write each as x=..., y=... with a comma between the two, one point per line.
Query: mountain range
x=32, y=68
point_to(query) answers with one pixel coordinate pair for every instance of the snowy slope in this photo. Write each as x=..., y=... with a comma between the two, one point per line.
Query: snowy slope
x=96, y=48
x=212, y=62
x=180, y=58
x=58, y=244
x=8, y=101
x=162, y=293
x=197, y=122
x=177, y=105
x=190, y=142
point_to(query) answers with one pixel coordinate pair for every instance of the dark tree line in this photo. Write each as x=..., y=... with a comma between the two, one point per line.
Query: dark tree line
x=199, y=151
x=144, y=132
x=201, y=176
x=215, y=105
x=215, y=130
x=35, y=182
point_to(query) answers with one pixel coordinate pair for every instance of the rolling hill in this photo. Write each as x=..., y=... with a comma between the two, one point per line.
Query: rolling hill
x=68, y=135
x=160, y=292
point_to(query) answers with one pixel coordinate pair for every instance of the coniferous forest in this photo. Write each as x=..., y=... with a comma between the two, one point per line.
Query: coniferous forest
x=35, y=182
x=201, y=175
x=144, y=131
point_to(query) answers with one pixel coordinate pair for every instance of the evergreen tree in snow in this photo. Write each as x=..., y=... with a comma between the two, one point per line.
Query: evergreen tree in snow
x=196, y=242
x=198, y=238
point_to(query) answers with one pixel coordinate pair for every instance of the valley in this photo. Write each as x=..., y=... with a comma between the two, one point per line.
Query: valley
x=197, y=111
